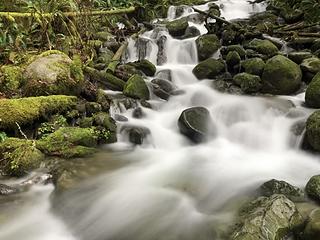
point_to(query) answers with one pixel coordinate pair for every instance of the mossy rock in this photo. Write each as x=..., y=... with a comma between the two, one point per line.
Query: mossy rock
x=312, y=229
x=253, y=66
x=53, y=72
x=233, y=58
x=238, y=48
x=263, y=46
x=271, y=218
x=313, y=130
x=105, y=57
x=56, y=122
x=298, y=57
x=249, y=83
x=10, y=78
x=313, y=188
x=19, y=156
x=136, y=88
x=103, y=36
x=312, y=96
x=209, y=68
x=311, y=65
x=25, y=111
x=69, y=142
x=281, y=76
x=126, y=71
x=147, y=67
x=107, y=127
x=207, y=45
x=177, y=27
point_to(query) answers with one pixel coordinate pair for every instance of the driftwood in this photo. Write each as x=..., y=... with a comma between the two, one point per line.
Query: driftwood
x=218, y=19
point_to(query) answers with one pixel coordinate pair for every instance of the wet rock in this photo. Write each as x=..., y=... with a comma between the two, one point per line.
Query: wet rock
x=310, y=65
x=7, y=190
x=145, y=66
x=162, y=88
x=161, y=56
x=137, y=135
x=138, y=113
x=142, y=45
x=281, y=76
x=120, y=118
x=249, y=83
x=53, y=73
x=207, y=45
x=164, y=74
x=264, y=47
x=238, y=48
x=281, y=187
x=312, y=96
x=253, y=66
x=228, y=37
x=312, y=229
x=196, y=18
x=191, y=32
x=160, y=92
x=195, y=123
x=233, y=58
x=271, y=218
x=298, y=57
x=313, y=188
x=209, y=68
x=125, y=71
x=177, y=27
x=136, y=88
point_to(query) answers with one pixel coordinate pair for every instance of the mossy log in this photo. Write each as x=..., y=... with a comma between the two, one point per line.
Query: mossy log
x=67, y=14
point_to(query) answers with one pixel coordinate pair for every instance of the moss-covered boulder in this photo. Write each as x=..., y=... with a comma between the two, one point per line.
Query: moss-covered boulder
x=249, y=83
x=233, y=58
x=19, y=156
x=147, y=67
x=312, y=96
x=281, y=76
x=209, y=68
x=53, y=72
x=274, y=186
x=207, y=45
x=25, y=111
x=313, y=130
x=298, y=57
x=238, y=48
x=10, y=78
x=126, y=71
x=311, y=65
x=69, y=142
x=253, y=66
x=312, y=229
x=271, y=218
x=177, y=27
x=136, y=88
x=107, y=127
x=264, y=47
x=313, y=188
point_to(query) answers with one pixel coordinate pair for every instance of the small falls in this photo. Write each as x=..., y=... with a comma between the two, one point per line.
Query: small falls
x=169, y=188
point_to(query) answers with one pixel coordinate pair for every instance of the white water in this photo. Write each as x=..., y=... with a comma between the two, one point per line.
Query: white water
x=170, y=188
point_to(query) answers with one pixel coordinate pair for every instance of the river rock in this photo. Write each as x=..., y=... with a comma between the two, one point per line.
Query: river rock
x=312, y=229
x=298, y=57
x=207, y=45
x=195, y=123
x=162, y=88
x=281, y=76
x=53, y=73
x=264, y=47
x=313, y=130
x=312, y=96
x=313, y=188
x=265, y=218
x=233, y=58
x=164, y=74
x=274, y=186
x=7, y=190
x=136, y=88
x=137, y=135
x=253, y=66
x=209, y=68
x=310, y=66
x=145, y=66
x=249, y=83
x=238, y=48
x=177, y=27
x=191, y=32
x=162, y=55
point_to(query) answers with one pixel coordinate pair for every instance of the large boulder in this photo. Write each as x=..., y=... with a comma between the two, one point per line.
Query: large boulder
x=11, y=78
x=145, y=66
x=207, y=45
x=312, y=96
x=177, y=27
x=53, y=72
x=298, y=57
x=238, y=48
x=281, y=76
x=196, y=124
x=136, y=88
x=264, y=47
x=253, y=66
x=274, y=186
x=209, y=68
x=249, y=83
x=312, y=229
x=313, y=188
x=136, y=135
x=24, y=111
x=271, y=218
x=233, y=58
x=310, y=67
x=313, y=130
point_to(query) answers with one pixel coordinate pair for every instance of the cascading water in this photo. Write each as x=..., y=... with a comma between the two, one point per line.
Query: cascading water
x=169, y=188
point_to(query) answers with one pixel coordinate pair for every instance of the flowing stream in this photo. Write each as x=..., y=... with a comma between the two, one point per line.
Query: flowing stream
x=169, y=188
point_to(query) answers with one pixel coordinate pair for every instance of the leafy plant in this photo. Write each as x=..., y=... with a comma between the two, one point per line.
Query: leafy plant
x=3, y=136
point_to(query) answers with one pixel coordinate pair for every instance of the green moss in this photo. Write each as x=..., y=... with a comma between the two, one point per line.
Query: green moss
x=177, y=27
x=106, y=126
x=19, y=156
x=253, y=66
x=264, y=47
x=76, y=69
x=312, y=96
x=313, y=130
x=69, y=142
x=27, y=110
x=207, y=45
x=136, y=88
x=209, y=68
x=10, y=78
x=249, y=83
x=53, y=125
x=238, y=48
x=86, y=122
x=313, y=188
x=145, y=66
x=233, y=58
x=50, y=52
